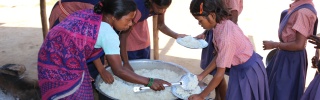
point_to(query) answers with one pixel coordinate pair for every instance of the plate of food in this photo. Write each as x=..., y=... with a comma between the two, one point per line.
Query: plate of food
x=180, y=93
x=192, y=43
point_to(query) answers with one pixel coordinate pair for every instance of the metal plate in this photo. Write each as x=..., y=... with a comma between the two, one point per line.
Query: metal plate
x=145, y=64
x=202, y=43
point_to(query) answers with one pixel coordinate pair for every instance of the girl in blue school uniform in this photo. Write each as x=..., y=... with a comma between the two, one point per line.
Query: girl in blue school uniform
x=287, y=69
x=248, y=80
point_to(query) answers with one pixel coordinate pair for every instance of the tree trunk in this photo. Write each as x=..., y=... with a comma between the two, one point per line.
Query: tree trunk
x=43, y=18
x=155, y=38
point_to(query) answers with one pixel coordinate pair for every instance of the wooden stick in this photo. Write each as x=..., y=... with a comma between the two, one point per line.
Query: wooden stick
x=43, y=18
x=155, y=38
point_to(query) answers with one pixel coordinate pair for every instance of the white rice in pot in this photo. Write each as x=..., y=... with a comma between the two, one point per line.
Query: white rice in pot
x=193, y=82
x=124, y=90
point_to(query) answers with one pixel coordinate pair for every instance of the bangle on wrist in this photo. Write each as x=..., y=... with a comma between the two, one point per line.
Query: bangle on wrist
x=150, y=82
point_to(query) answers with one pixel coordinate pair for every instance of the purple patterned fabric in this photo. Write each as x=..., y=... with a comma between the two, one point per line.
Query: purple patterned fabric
x=62, y=69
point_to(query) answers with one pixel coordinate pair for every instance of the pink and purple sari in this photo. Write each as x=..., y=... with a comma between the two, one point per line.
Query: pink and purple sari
x=62, y=69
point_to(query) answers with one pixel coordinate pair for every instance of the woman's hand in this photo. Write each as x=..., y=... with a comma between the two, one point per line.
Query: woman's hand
x=180, y=35
x=314, y=40
x=196, y=97
x=269, y=45
x=106, y=77
x=158, y=84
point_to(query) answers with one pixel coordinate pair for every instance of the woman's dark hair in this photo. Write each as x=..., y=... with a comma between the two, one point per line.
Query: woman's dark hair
x=117, y=8
x=205, y=7
x=161, y=3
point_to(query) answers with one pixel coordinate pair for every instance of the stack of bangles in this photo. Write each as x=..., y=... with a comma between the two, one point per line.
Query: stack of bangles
x=150, y=82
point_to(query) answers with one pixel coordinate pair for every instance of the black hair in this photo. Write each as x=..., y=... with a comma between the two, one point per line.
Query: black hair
x=117, y=8
x=161, y=3
x=209, y=6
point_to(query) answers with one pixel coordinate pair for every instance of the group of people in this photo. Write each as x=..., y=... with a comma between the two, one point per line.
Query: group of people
x=231, y=53
x=86, y=33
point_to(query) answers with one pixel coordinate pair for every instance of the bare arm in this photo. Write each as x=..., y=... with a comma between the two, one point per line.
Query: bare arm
x=298, y=44
x=125, y=73
x=209, y=69
x=105, y=75
x=123, y=48
x=202, y=35
x=128, y=75
x=215, y=81
x=166, y=30
x=234, y=16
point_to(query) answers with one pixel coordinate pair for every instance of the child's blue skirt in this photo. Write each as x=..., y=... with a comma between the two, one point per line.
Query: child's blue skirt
x=287, y=75
x=313, y=90
x=248, y=81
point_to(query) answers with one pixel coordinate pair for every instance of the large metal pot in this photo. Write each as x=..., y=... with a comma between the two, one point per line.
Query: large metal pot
x=145, y=64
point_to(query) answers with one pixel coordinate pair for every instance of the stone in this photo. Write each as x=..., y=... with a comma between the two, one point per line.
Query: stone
x=13, y=82
x=13, y=69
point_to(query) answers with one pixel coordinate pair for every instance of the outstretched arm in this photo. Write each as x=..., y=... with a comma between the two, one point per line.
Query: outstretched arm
x=209, y=69
x=128, y=75
x=124, y=73
x=211, y=86
x=164, y=29
x=214, y=82
x=105, y=75
x=202, y=35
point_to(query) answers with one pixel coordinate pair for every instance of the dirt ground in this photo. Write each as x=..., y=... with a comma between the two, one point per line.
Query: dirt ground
x=21, y=34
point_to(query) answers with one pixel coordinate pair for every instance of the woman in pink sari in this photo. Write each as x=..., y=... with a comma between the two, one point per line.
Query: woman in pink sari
x=82, y=37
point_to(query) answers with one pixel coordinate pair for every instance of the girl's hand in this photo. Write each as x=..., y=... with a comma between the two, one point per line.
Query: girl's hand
x=314, y=61
x=314, y=40
x=195, y=97
x=157, y=84
x=200, y=78
x=200, y=36
x=107, y=77
x=269, y=45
